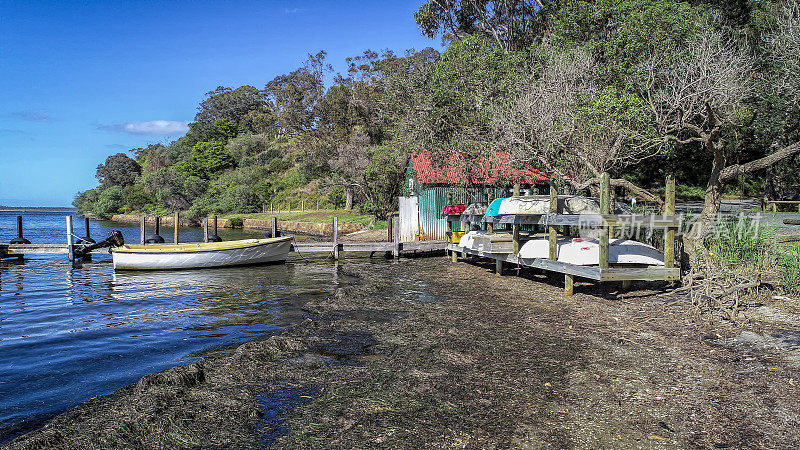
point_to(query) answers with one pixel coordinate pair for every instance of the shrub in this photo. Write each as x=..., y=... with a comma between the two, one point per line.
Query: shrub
x=236, y=222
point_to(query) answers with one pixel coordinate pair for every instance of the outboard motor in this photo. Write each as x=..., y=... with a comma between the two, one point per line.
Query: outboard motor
x=114, y=239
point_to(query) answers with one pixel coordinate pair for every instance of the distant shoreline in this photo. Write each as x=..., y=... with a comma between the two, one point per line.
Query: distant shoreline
x=37, y=209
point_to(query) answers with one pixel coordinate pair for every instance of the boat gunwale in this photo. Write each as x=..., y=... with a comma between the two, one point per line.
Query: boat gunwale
x=165, y=251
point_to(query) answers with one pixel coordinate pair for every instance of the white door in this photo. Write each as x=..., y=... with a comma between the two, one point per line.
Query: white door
x=409, y=218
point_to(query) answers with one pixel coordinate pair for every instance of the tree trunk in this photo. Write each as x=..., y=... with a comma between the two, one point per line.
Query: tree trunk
x=348, y=205
x=694, y=241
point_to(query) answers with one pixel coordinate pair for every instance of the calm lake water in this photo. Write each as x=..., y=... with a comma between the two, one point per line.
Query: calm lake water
x=67, y=335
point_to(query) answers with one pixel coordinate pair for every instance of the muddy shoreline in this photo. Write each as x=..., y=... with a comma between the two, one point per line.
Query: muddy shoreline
x=426, y=353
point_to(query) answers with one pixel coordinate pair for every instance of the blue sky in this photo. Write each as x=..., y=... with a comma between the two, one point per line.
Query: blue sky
x=82, y=80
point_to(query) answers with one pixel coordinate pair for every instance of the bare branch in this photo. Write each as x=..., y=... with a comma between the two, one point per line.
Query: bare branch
x=734, y=171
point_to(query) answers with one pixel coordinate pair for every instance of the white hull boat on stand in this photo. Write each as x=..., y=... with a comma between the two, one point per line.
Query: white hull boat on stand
x=586, y=252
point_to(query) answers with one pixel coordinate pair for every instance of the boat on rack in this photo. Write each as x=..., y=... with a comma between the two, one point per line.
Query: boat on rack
x=586, y=252
x=197, y=255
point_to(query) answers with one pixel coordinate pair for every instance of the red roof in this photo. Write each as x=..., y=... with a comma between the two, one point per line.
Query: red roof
x=495, y=169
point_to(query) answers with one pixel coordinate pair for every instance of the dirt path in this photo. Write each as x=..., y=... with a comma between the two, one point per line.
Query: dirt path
x=427, y=353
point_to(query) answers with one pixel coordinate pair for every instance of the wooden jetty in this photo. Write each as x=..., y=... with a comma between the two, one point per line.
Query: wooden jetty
x=333, y=248
x=604, y=222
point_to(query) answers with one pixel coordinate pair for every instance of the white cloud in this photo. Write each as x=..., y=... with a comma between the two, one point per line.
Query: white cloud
x=153, y=127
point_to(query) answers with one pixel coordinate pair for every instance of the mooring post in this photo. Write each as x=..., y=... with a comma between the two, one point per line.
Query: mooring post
x=215, y=225
x=336, y=238
x=87, y=235
x=142, y=221
x=205, y=229
x=605, y=203
x=553, y=229
x=396, y=230
x=274, y=227
x=669, y=236
x=19, y=228
x=70, y=241
x=177, y=224
x=158, y=226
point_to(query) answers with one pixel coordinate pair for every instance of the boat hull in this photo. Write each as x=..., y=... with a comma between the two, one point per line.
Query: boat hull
x=586, y=252
x=196, y=256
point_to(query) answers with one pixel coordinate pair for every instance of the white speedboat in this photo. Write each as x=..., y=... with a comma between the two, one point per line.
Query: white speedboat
x=540, y=204
x=201, y=255
x=586, y=252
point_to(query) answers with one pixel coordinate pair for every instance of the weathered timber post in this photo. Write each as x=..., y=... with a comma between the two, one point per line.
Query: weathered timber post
x=396, y=230
x=205, y=229
x=317, y=204
x=142, y=225
x=336, y=238
x=70, y=241
x=569, y=284
x=87, y=238
x=669, y=236
x=177, y=224
x=515, y=227
x=274, y=227
x=158, y=226
x=289, y=206
x=605, y=206
x=303, y=205
x=271, y=207
x=552, y=229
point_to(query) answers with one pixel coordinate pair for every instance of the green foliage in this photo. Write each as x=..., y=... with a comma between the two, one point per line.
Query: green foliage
x=110, y=201
x=744, y=244
x=620, y=33
x=789, y=267
x=686, y=192
x=236, y=222
x=118, y=170
x=336, y=197
x=209, y=159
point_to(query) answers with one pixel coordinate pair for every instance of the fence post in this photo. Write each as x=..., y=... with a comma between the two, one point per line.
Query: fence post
x=336, y=238
x=605, y=206
x=515, y=227
x=669, y=210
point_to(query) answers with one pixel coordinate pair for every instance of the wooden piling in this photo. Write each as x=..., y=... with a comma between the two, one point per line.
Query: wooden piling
x=669, y=236
x=177, y=224
x=605, y=207
x=70, y=240
x=19, y=228
x=303, y=205
x=274, y=227
x=498, y=267
x=396, y=229
x=336, y=238
x=205, y=229
x=158, y=226
x=215, y=225
x=142, y=224
x=86, y=231
x=553, y=229
x=569, y=285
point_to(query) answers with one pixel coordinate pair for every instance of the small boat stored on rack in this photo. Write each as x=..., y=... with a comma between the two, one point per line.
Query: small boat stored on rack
x=201, y=255
x=586, y=252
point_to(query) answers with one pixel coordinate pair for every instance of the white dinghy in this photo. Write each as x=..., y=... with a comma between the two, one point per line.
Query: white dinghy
x=586, y=252
x=201, y=255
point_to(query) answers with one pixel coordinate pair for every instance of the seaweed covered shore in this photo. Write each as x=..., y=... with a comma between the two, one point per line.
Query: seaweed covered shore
x=424, y=353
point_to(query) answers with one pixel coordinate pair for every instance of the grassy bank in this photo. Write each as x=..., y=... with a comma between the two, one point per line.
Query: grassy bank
x=322, y=216
x=428, y=353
